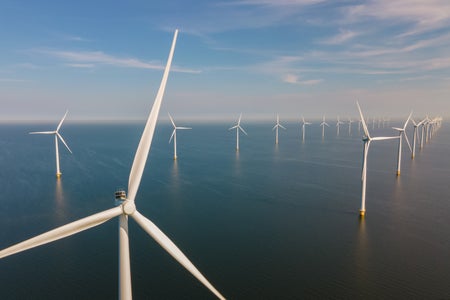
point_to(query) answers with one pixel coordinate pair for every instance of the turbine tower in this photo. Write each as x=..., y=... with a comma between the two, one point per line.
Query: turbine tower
x=338, y=124
x=401, y=132
x=366, y=140
x=57, y=136
x=174, y=136
x=238, y=127
x=303, y=128
x=323, y=124
x=276, y=127
x=125, y=208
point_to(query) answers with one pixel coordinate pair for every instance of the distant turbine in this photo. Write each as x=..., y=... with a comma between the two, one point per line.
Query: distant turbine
x=350, y=126
x=57, y=136
x=415, y=136
x=366, y=140
x=238, y=127
x=303, y=128
x=124, y=209
x=276, y=127
x=401, y=132
x=338, y=124
x=174, y=136
x=323, y=124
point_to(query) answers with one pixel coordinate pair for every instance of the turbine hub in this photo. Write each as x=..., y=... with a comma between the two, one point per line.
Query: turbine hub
x=128, y=207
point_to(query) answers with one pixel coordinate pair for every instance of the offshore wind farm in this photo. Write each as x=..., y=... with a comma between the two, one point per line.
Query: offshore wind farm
x=351, y=201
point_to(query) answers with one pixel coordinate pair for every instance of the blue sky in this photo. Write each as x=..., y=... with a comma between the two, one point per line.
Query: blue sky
x=103, y=60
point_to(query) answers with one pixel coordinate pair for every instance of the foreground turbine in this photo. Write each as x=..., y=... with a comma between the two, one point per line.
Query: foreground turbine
x=125, y=208
x=276, y=127
x=174, y=136
x=366, y=140
x=238, y=127
x=57, y=136
x=401, y=132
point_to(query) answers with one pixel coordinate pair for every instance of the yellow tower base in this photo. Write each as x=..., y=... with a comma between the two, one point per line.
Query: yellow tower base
x=398, y=173
x=58, y=175
x=362, y=213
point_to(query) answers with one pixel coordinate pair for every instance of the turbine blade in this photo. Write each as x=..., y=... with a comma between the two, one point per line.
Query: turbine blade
x=171, y=120
x=172, y=249
x=282, y=126
x=64, y=142
x=173, y=133
x=381, y=138
x=143, y=149
x=275, y=127
x=42, y=132
x=62, y=120
x=63, y=231
x=398, y=129
x=242, y=129
x=183, y=128
x=407, y=141
x=239, y=121
x=406, y=123
x=303, y=119
x=234, y=127
x=366, y=131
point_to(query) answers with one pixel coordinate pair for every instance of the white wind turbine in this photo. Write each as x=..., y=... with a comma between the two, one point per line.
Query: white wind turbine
x=338, y=124
x=366, y=140
x=303, y=128
x=57, y=136
x=401, y=132
x=238, y=127
x=350, y=126
x=125, y=208
x=415, y=136
x=323, y=124
x=174, y=136
x=276, y=127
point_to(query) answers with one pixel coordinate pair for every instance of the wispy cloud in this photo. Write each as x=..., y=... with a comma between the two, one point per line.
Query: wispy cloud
x=423, y=15
x=90, y=59
x=294, y=79
x=342, y=37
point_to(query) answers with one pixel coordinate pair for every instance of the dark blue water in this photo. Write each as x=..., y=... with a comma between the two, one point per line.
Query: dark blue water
x=269, y=222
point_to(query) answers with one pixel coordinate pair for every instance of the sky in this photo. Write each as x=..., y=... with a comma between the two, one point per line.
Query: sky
x=103, y=60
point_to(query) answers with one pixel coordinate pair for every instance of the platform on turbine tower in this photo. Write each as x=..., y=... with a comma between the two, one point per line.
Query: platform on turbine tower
x=120, y=195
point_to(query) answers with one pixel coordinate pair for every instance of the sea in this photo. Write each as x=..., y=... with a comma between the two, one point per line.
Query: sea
x=265, y=222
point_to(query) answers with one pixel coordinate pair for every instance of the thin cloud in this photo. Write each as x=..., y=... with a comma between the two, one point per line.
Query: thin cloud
x=94, y=58
x=424, y=15
x=294, y=79
x=342, y=37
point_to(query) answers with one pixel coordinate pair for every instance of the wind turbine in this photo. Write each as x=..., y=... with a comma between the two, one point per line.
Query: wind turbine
x=303, y=128
x=401, y=132
x=338, y=124
x=415, y=136
x=124, y=209
x=323, y=124
x=57, y=136
x=350, y=126
x=276, y=127
x=238, y=127
x=174, y=136
x=366, y=140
